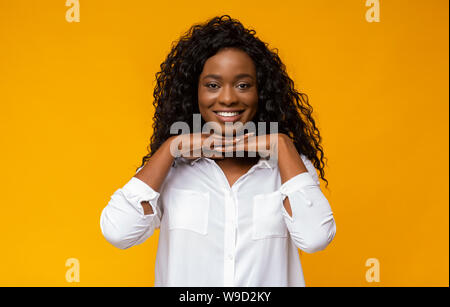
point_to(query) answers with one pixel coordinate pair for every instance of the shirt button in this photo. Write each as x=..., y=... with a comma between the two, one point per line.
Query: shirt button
x=230, y=256
x=308, y=202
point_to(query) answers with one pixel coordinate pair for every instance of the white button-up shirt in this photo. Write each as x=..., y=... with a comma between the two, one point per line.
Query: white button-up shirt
x=212, y=234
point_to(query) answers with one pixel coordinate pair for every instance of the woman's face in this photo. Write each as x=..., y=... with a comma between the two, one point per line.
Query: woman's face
x=227, y=89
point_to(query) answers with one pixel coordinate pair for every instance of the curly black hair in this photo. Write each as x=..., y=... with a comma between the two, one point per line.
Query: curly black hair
x=176, y=98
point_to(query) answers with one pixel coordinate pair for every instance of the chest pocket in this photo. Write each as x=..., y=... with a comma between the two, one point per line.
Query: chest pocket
x=268, y=221
x=188, y=210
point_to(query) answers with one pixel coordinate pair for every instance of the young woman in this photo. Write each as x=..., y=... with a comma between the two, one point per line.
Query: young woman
x=226, y=219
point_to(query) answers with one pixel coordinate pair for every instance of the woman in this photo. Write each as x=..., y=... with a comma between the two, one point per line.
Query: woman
x=228, y=216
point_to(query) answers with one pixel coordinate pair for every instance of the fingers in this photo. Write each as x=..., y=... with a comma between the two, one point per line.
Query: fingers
x=215, y=146
x=248, y=145
x=230, y=136
x=231, y=148
x=231, y=140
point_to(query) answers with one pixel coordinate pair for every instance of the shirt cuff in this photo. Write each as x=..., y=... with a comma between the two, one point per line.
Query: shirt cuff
x=137, y=191
x=297, y=182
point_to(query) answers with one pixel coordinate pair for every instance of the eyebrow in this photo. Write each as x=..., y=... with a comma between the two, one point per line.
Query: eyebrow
x=243, y=75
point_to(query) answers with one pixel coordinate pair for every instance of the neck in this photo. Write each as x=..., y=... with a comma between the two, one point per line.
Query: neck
x=239, y=160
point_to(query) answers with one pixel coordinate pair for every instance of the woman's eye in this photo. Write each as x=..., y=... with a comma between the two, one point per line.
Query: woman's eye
x=212, y=85
x=243, y=86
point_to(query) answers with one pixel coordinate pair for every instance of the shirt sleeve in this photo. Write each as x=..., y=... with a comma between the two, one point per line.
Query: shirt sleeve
x=312, y=226
x=123, y=222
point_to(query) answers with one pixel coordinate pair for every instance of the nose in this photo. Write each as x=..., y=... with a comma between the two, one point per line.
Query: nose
x=227, y=96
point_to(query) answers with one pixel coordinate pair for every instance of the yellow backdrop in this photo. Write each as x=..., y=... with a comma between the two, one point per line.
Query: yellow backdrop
x=76, y=120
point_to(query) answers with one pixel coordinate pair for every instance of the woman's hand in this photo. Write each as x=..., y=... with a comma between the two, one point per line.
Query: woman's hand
x=265, y=145
x=196, y=145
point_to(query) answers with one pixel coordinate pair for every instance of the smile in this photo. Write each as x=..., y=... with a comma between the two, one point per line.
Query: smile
x=227, y=116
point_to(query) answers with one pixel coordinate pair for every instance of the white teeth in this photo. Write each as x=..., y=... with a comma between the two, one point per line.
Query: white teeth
x=228, y=113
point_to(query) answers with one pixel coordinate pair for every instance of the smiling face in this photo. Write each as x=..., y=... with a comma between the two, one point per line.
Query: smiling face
x=227, y=89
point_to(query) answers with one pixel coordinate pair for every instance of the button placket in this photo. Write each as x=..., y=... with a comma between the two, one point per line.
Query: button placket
x=229, y=238
x=231, y=217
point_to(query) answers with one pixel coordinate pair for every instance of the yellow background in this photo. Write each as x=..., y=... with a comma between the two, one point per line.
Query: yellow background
x=76, y=119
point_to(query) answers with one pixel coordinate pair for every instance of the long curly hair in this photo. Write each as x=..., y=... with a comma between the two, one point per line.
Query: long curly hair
x=176, y=87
